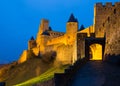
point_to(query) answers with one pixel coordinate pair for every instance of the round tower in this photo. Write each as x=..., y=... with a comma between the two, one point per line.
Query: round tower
x=72, y=25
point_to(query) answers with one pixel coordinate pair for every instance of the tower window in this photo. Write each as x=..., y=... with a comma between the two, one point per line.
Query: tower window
x=103, y=24
x=108, y=19
x=114, y=11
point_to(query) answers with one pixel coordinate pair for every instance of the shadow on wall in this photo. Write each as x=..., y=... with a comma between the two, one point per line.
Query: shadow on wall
x=49, y=57
x=114, y=59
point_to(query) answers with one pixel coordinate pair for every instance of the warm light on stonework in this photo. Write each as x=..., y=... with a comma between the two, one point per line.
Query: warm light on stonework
x=88, y=30
x=96, y=52
x=23, y=57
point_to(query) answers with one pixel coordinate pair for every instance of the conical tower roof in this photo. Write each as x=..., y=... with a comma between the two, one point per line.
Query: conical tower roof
x=32, y=38
x=72, y=18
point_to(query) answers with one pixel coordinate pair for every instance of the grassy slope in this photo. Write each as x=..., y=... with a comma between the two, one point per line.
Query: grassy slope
x=14, y=74
x=45, y=76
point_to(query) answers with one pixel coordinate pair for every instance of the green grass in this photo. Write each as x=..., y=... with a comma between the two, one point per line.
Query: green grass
x=43, y=77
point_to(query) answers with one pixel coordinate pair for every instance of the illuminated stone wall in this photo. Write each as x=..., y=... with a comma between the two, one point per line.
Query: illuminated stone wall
x=31, y=44
x=57, y=40
x=54, y=34
x=61, y=43
x=88, y=30
x=112, y=26
x=101, y=12
x=70, y=46
x=81, y=45
x=23, y=57
x=64, y=54
x=27, y=54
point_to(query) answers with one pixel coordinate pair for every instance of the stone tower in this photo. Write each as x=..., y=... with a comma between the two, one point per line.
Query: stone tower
x=101, y=13
x=112, y=26
x=71, y=30
x=72, y=25
x=71, y=36
x=31, y=43
x=44, y=26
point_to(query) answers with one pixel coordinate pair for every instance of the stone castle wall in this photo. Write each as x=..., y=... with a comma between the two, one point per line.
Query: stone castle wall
x=101, y=13
x=57, y=40
x=81, y=45
x=112, y=26
x=55, y=34
x=70, y=46
x=88, y=30
x=64, y=44
x=64, y=54
x=23, y=57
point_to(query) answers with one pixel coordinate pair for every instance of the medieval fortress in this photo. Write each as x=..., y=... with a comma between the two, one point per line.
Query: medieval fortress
x=95, y=42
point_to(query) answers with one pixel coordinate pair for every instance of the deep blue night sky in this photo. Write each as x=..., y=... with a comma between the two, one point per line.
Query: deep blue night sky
x=20, y=19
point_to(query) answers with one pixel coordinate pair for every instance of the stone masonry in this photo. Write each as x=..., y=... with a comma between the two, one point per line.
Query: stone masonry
x=70, y=46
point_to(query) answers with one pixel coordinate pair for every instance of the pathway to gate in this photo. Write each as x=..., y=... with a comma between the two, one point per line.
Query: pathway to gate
x=97, y=73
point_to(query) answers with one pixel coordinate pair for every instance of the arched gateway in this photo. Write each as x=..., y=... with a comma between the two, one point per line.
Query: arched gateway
x=94, y=48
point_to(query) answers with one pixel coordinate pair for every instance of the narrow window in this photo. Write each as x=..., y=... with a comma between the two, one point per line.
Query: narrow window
x=114, y=11
x=103, y=24
x=108, y=19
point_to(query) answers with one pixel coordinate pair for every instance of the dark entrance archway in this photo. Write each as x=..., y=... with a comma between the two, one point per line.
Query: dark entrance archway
x=94, y=48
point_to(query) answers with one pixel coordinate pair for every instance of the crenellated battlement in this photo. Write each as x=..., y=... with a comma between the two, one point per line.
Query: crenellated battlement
x=101, y=13
x=107, y=4
x=117, y=4
x=99, y=5
x=70, y=45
